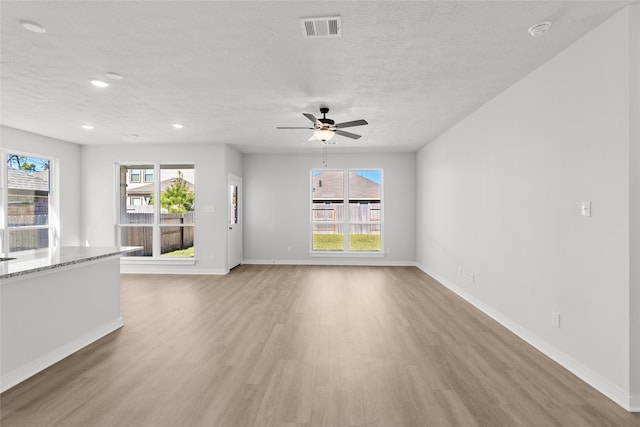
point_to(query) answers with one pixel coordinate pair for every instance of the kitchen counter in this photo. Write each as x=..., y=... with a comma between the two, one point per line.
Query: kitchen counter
x=53, y=303
x=57, y=258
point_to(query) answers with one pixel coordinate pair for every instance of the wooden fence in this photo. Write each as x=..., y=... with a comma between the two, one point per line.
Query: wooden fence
x=364, y=218
x=27, y=211
x=171, y=238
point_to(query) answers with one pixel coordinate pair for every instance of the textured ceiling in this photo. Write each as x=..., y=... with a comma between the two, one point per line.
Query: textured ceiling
x=233, y=71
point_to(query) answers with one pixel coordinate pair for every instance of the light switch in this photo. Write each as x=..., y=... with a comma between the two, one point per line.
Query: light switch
x=585, y=209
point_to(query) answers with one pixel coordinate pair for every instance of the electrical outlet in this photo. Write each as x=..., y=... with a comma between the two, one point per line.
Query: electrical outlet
x=212, y=256
x=288, y=248
x=472, y=277
x=460, y=271
x=555, y=319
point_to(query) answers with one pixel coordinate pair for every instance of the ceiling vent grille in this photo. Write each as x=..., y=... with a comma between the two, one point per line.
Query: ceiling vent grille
x=321, y=27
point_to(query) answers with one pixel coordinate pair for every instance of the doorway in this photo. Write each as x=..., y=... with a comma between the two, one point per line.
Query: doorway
x=234, y=215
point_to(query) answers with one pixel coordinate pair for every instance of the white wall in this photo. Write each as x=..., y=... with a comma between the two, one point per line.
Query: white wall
x=67, y=179
x=232, y=161
x=99, y=201
x=276, y=214
x=634, y=164
x=499, y=195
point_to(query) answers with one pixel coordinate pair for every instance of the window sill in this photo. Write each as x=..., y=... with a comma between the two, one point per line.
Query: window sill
x=156, y=261
x=346, y=254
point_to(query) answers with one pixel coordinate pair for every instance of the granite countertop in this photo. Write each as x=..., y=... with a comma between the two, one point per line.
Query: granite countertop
x=49, y=259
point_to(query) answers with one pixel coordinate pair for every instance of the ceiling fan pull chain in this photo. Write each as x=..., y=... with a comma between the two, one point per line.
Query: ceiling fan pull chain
x=324, y=155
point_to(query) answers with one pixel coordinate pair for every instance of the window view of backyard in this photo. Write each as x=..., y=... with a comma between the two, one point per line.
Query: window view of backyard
x=346, y=200
x=168, y=230
x=28, y=204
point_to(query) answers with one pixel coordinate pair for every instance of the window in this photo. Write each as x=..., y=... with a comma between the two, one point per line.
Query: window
x=164, y=229
x=346, y=200
x=134, y=175
x=27, y=203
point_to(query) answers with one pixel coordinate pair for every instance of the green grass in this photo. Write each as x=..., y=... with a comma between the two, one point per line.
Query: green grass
x=327, y=242
x=364, y=242
x=181, y=253
x=357, y=242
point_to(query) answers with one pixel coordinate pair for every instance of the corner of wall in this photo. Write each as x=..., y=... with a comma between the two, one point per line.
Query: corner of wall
x=634, y=200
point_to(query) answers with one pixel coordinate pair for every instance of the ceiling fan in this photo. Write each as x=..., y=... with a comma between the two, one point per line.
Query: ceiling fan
x=324, y=129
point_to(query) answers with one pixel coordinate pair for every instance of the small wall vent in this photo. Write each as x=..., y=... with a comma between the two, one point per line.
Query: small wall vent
x=321, y=27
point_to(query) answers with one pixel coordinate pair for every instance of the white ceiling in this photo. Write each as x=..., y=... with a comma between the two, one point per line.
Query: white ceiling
x=233, y=71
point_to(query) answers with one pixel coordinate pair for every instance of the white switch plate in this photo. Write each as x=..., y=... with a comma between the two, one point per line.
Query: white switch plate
x=585, y=208
x=209, y=209
x=555, y=319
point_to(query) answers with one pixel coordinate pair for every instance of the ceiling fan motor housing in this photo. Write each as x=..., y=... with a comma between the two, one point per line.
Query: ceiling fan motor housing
x=325, y=122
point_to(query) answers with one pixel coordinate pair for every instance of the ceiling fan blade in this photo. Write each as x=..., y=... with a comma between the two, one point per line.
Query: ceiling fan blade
x=312, y=118
x=292, y=127
x=350, y=124
x=347, y=134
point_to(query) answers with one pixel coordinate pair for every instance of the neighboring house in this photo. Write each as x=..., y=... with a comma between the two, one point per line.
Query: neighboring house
x=329, y=185
x=21, y=181
x=141, y=195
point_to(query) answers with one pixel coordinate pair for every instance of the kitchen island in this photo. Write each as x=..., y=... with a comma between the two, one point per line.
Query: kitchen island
x=53, y=303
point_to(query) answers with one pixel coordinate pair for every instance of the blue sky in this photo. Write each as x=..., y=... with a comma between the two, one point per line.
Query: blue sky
x=373, y=175
x=40, y=164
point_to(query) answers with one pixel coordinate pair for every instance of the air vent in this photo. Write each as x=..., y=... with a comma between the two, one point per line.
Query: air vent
x=321, y=27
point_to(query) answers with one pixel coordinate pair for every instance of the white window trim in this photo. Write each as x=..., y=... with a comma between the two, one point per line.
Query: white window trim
x=154, y=259
x=54, y=205
x=347, y=253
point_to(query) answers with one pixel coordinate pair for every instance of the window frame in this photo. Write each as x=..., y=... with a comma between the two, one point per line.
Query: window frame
x=346, y=252
x=156, y=225
x=53, y=206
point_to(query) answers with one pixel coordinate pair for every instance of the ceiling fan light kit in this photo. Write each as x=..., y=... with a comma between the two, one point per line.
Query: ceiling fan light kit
x=323, y=135
x=539, y=29
x=34, y=27
x=325, y=129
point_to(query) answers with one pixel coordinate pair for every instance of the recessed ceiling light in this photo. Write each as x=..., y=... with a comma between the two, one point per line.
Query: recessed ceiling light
x=114, y=76
x=99, y=83
x=177, y=125
x=34, y=27
x=540, y=28
x=87, y=127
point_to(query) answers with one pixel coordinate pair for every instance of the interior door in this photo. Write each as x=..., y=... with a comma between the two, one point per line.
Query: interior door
x=234, y=234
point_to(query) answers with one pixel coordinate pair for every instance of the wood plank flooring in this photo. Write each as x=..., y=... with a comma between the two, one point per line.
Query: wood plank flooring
x=305, y=346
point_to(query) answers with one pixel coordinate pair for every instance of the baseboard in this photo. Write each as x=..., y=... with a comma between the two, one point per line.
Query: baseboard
x=15, y=377
x=325, y=261
x=167, y=269
x=634, y=403
x=613, y=392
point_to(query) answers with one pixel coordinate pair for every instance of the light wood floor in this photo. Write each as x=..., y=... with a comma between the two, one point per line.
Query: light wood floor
x=305, y=346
